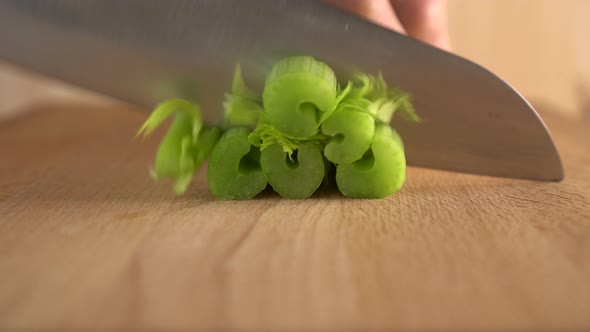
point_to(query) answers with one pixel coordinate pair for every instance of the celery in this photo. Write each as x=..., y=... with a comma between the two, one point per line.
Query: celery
x=381, y=172
x=294, y=136
x=294, y=179
x=186, y=145
x=234, y=168
x=297, y=92
x=351, y=134
x=243, y=107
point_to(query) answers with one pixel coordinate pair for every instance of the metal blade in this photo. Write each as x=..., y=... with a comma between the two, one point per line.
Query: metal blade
x=142, y=51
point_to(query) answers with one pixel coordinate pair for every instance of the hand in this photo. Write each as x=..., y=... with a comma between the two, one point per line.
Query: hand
x=421, y=19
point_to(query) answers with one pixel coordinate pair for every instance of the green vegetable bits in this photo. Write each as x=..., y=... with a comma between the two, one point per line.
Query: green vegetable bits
x=380, y=172
x=185, y=147
x=234, y=169
x=350, y=134
x=297, y=92
x=295, y=177
x=292, y=136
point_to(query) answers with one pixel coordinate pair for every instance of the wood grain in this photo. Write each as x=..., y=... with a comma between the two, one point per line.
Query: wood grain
x=87, y=240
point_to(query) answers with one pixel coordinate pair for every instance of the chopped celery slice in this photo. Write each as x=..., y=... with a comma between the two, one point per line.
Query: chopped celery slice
x=243, y=107
x=241, y=112
x=296, y=179
x=234, y=168
x=297, y=92
x=168, y=108
x=204, y=146
x=380, y=173
x=185, y=146
x=239, y=87
x=352, y=133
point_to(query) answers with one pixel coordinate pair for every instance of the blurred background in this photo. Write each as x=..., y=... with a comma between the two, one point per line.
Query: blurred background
x=541, y=47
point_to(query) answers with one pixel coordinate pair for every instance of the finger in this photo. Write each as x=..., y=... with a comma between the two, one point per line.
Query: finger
x=425, y=20
x=377, y=11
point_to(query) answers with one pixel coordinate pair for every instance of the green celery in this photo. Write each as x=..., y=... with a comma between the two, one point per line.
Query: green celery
x=243, y=107
x=185, y=146
x=351, y=134
x=234, y=167
x=301, y=133
x=298, y=91
x=296, y=179
x=380, y=173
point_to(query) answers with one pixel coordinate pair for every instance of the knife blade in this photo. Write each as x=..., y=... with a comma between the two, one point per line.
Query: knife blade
x=143, y=51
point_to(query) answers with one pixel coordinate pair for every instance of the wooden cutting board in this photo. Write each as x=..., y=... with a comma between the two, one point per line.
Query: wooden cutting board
x=88, y=240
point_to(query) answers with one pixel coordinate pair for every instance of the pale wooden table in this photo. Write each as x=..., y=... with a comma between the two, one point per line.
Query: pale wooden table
x=87, y=240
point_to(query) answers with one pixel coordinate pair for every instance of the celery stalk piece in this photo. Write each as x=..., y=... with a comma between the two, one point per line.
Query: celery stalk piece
x=296, y=179
x=207, y=141
x=173, y=156
x=243, y=107
x=351, y=134
x=185, y=146
x=234, y=167
x=297, y=92
x=380, y=173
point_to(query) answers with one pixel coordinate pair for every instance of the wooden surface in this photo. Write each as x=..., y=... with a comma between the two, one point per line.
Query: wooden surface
x=87, y=240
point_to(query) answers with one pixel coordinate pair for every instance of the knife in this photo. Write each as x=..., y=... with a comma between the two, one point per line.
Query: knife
x=143, y=51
